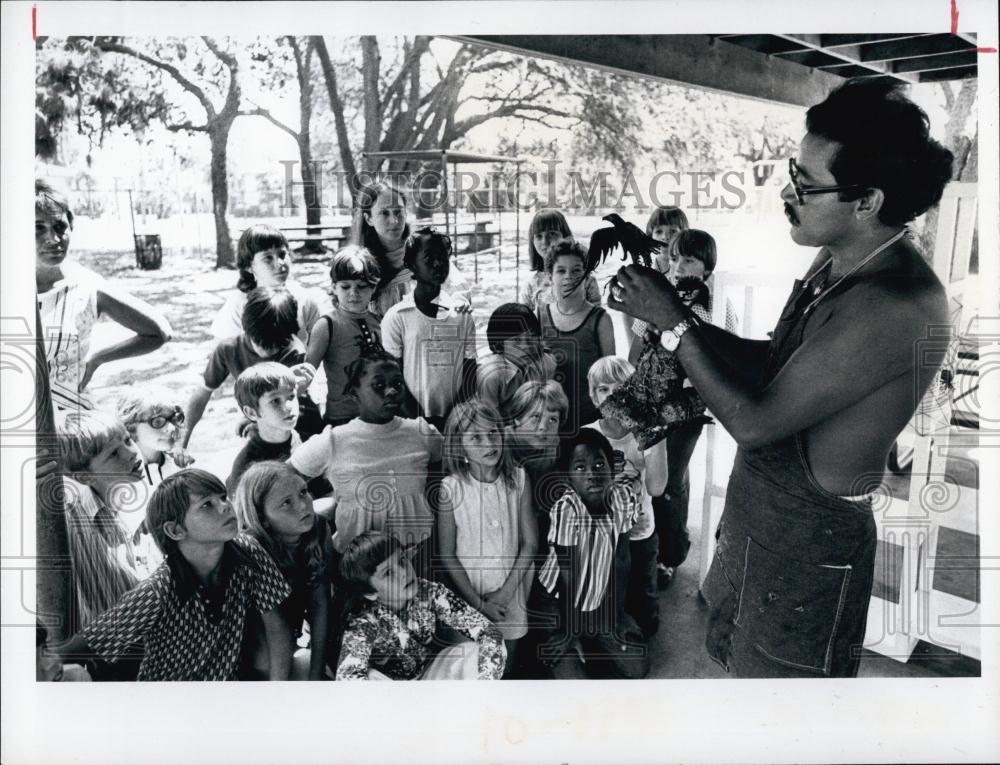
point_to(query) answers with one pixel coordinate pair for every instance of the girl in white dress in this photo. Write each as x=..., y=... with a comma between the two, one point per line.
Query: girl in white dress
x=486, y=523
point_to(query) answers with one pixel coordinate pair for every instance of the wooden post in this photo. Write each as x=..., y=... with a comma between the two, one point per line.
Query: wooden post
x=54, y=584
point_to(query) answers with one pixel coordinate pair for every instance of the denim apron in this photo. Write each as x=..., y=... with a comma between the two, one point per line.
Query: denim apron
x=791, y=579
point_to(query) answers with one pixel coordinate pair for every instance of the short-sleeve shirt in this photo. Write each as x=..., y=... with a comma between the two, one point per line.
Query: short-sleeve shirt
x=188, y=632
x=345, y=332
x=235, y=354
x=433, y=350
x=378, y=473
x=400, y=644
x=498, y=378
x=312, y=304
x=592, y=541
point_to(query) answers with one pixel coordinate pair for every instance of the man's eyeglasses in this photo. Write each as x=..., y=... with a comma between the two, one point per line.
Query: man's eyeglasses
x=157, y=422
x=802, y=191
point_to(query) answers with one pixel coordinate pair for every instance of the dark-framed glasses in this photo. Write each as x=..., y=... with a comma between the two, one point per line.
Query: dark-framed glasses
x=802, y=191
x=157, y=422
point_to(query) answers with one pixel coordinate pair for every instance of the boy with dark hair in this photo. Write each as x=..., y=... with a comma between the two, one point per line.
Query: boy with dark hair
x=266, y=396
x=815, y=410
x=583, y=579
x=514, y=336
x=270, y=324
x=191, y=614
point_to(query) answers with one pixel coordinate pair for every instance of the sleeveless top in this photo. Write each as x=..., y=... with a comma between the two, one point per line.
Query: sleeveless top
x=68, y=312
x=574, y=353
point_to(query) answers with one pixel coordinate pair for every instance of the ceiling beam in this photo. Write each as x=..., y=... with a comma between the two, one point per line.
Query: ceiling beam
x=834, y=40
x=931, y=63
x=693, y=60
x=926, y=46
x=940, y=75
x=849, y=54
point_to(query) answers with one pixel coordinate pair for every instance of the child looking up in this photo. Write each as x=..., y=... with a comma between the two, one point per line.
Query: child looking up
x=436, y=343
x=487, y=533
x=269, y=327
x=263, y=259
x=378, y=462
x=576, y=331
x=645, y=472
x=337, y=337
x=266, y=396
x=103, y=466
x=154, y=418
x=191, y=614
x=393, y=615
x=664, y=224
x=693, y=257
x=515, y=339
x=547, y=229
x=275, y=509
x=587, y=559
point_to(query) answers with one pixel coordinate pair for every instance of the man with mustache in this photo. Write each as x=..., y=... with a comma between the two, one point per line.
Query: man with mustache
x=816, y=409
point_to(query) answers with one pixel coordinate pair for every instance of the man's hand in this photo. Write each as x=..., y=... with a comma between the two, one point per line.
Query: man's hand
x=648, y=295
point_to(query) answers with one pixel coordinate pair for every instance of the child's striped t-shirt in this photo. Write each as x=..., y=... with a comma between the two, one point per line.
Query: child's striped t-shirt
x=592, y=539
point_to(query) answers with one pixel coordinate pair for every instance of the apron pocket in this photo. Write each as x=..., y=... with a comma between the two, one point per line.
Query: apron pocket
x=790, y=609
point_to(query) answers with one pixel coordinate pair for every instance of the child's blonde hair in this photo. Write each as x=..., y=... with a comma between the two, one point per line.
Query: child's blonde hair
x=248, y=501
x=608, y=370
x=138, y=404
x=461, y=420
x=550, y=393
x=85, y=434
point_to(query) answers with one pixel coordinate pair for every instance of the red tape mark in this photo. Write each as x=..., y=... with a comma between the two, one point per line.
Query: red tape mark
x=34, y=21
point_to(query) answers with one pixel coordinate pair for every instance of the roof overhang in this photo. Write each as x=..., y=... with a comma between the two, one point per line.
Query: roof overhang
x=796, y=69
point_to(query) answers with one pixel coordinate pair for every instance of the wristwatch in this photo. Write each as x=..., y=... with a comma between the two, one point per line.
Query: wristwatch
x=672, y=337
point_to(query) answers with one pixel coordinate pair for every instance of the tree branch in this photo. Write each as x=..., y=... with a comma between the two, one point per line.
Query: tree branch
x=187, y=126
x=170, y=69
x=260, y=111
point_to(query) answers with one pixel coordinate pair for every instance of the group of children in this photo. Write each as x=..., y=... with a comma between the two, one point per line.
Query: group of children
x=443, y=517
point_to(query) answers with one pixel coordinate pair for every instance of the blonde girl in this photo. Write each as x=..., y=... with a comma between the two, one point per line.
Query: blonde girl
x=274, y=507
x=486, y=523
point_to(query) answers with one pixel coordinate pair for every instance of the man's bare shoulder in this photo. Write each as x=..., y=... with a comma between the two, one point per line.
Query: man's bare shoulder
x=905, y=290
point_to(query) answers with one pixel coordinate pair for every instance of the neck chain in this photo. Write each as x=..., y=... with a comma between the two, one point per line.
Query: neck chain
x=821, y=291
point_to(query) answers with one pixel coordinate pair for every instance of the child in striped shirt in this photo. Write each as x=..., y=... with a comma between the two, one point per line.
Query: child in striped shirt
x=583, y=578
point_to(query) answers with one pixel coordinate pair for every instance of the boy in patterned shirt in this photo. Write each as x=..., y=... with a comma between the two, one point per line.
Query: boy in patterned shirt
x=191, y=613
x=583, y=579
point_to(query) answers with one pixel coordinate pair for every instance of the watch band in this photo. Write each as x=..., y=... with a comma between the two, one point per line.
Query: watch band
x=672, y=338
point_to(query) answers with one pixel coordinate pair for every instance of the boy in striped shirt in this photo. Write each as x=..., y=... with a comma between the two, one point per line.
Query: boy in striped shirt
x=587, y=566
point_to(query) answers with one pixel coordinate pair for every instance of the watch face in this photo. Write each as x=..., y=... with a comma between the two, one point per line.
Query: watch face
x=670, y=341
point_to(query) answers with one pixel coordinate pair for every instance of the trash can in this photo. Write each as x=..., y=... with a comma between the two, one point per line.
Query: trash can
x=148, y=251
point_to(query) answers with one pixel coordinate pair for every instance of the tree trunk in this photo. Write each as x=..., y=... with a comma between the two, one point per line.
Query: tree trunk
x=337, y=107
x=311, y=196
x=372, y=63
x=54, y=601
x=219, y=136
